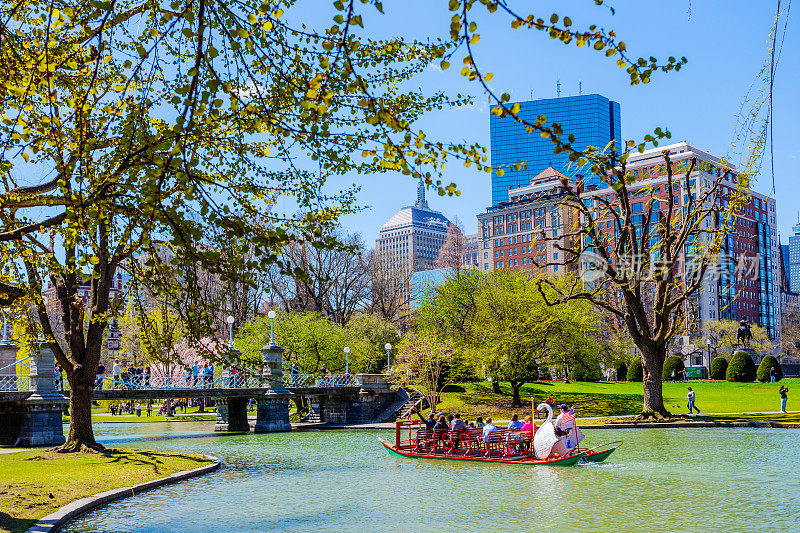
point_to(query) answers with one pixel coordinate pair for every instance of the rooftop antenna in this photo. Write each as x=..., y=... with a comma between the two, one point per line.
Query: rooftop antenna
x=580, y=88
x=421, y=202
x=558, y=88
x=531, y=94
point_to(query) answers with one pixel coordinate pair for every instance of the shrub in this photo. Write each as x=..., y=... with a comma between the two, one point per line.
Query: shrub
x=621, y=371
x=635, y=372
x=741, y=368
x=718, y=368
x=675, y=363
x=768, y=362
x=586, y=369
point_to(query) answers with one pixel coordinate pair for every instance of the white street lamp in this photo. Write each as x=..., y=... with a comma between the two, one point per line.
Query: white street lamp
x=230, y=321
x=708, y=346
x=5, y=340
x=346, y=359
x=388, y=347
x=271, y=316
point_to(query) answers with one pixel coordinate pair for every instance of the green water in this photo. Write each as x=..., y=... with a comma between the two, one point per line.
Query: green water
x=659, y=480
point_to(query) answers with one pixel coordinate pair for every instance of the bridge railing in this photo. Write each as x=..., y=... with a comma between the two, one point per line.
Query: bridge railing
x=239, y=379
x=13, y=383
x=232, y=380
x=336, y=380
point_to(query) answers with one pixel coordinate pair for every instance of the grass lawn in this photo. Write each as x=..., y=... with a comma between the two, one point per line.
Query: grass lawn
x=37, y=482
x=610, y=399
x=102, y=414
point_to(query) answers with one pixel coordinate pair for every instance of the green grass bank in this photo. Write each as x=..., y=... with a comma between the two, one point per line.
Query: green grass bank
x=35, y=483
x=614, y=399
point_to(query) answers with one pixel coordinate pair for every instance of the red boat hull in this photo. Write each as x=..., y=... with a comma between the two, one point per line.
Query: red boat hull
x=569, y=460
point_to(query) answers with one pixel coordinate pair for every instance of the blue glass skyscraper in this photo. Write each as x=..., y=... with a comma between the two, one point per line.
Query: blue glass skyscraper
x=592, y=118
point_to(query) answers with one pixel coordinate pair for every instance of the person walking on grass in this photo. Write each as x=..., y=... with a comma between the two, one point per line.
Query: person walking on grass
x=690, y=402
x=783, y=390
x=772, y=374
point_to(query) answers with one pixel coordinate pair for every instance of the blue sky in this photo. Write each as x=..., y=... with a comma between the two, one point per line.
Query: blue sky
x=725, y=42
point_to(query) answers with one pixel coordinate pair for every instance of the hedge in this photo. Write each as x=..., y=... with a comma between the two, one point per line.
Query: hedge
x=675, y=363
x=621, y=371
x=741, y=368
x=635, y=372
x=768, y=362
x=719, y=366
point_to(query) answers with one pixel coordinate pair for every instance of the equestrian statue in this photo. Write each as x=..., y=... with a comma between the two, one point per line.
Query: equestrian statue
x=743, y=334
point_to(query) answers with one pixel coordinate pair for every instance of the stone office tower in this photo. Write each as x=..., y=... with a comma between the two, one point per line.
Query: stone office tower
x=410, y=240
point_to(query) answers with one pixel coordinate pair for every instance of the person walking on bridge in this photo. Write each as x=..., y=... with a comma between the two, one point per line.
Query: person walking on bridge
x=116, y=372
x=98, y=382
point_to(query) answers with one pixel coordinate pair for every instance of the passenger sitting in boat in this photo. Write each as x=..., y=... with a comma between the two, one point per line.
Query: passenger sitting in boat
x=441, y=423
x=429, y=422
x=488, y=429
x=565, y=421
x=457, y=431
x=528, y=426
x=457, y=424
x=528, y=429
x=515, y=423
x=479, y=422
x=450, y=421
x=472, y=425
x=441, y=430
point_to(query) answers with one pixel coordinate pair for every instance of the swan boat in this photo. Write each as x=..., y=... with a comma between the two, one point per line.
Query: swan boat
x=503, y=446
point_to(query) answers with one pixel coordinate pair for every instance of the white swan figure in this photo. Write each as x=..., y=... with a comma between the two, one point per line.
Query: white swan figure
x=545, y=442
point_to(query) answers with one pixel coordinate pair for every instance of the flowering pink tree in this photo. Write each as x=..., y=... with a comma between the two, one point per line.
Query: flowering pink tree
x=186, y=353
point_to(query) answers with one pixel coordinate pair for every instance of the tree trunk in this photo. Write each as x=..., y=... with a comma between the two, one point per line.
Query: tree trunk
x=652, y=364
x=81, y=435
x=496, y=387
x=515, y=387
x=432, y=399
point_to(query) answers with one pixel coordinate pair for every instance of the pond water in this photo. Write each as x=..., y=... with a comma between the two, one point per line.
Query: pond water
x=659, y=480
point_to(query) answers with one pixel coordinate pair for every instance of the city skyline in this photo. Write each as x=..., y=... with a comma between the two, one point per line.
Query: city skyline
x=704, y=118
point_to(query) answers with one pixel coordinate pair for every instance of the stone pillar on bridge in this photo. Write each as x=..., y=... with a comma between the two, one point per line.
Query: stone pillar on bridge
x=42, y=424
x=232, y=414
x=330, y=409
x=231, y=410
x=273, y=404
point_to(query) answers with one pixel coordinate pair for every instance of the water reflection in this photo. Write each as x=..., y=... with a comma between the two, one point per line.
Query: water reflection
x=659, y=480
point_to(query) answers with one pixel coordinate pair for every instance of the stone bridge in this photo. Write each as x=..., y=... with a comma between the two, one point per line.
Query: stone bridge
x=31, y=405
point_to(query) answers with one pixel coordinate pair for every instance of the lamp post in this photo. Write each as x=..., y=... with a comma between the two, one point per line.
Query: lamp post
x=5, y=341
x=271, y=316
x=388, y=347
x=230, y=321
x=346, y=359
x=708, y=349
